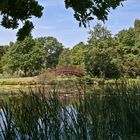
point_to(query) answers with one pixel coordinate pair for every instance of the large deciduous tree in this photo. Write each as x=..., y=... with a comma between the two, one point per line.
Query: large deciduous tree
x=14, y=11
x=23, y=56
x=100, y=37
x=127, y=37
x=101, y=57
x=52, y=49
x=129, y=49
x=65, y=58
x=78, y=55
x=137, y=28
x=99, y=62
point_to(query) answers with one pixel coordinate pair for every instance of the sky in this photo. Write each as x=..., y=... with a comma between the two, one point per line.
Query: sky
x=57, y=21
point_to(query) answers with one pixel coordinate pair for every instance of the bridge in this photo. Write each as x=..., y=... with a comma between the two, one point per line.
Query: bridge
x=68, y=71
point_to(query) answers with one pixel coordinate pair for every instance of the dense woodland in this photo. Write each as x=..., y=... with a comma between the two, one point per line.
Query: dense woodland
x=104, y=55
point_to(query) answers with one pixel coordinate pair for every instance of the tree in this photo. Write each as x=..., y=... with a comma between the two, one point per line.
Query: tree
x=98, y=62
x=1, y=51
x=100, y=37
x=129, y=50
x=137, y=28
x=23, y=56
x=14, y=11
x=65, y=58
x=78, y=55
x=131, y=66
x=52, y=49
x=1, y=54
x=127, y=37
x=101, y=57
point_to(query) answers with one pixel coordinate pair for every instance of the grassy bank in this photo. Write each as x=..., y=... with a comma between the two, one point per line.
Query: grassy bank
x=18, y=81
x=35, y=80
x=64, y=84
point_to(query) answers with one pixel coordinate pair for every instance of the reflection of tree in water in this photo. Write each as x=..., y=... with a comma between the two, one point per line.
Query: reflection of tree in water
x=93, y=116
x=29, y=110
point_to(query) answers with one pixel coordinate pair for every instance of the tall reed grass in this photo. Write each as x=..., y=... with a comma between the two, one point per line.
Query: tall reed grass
x=109, y=113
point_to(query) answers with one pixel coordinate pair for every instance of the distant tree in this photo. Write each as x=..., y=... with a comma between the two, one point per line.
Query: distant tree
x=52, y=49
x=14, y=11
x=99, y=62
x=101, y=57
x=136, y=49
x=1, y=51
x=78, y=55
x=127, y=37
x=99, y=32
x=131, y=66
x=137, y=28
x=1, y=54
x=65, y=58
x=100, y=37
x=23, y=56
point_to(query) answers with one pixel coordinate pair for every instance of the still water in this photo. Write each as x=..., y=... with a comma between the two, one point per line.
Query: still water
x=110, y=117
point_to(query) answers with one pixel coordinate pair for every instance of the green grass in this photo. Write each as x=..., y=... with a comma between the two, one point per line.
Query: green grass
x=18, y=81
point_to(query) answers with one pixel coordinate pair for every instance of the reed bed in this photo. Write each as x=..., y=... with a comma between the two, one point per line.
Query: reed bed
x=109, y=113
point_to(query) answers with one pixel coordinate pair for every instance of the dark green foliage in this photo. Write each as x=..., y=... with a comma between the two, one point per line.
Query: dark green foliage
x=14, y=11
x=99, y=32
x=112, y=57
x=52, y=49
x=23, y=56
x=106, y=56
x=78, y=55
x=129, y=50
x=73, y=57
x=25, y=31
x=1, y=51
x=86, y=10
x=98, y=62
x=65, y=58
x=103, y=56
x=127, y=37
x=137, y=28
x=29, y=56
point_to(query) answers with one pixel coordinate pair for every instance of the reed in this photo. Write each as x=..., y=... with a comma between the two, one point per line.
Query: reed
x=109, y=113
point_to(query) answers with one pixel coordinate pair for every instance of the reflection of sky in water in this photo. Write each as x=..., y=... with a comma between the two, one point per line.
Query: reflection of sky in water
x=2, y=121
x=68, y=122
x=68, y=114
x=2, y=118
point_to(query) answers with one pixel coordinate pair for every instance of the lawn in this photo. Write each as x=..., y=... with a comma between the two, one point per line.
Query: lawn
x=19, y=81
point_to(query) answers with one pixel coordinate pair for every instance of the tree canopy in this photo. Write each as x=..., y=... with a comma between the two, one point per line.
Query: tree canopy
x=104, y=55
x=15, y=11
x=52, y=49
x=31, y=55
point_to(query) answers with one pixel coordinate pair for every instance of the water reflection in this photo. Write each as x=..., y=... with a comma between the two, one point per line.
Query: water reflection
x=111, y=117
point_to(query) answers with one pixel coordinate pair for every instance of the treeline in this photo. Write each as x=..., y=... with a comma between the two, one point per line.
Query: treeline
x=104, y=55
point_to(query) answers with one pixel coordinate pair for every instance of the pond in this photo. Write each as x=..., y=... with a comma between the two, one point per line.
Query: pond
x=99, y=116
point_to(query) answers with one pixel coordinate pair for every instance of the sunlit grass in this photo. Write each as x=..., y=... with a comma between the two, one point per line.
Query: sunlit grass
x=18, y=81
